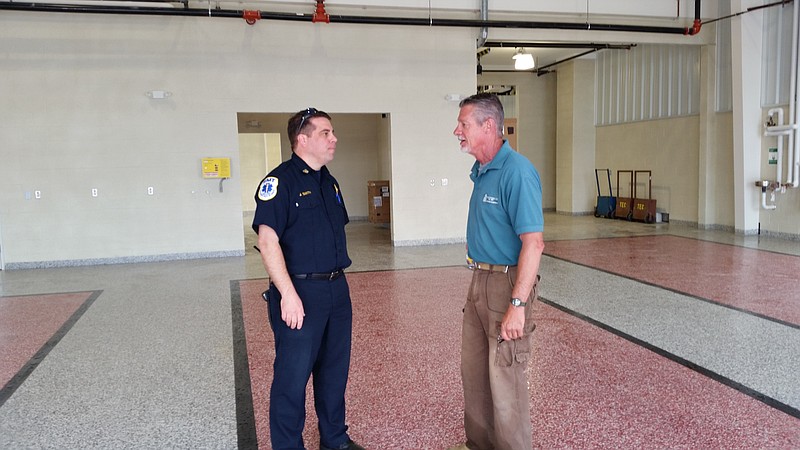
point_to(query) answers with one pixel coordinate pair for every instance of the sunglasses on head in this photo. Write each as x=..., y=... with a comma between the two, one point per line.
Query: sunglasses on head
x=306, y=114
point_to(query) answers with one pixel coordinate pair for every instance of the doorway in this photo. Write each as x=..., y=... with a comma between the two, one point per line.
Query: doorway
x=363, y=153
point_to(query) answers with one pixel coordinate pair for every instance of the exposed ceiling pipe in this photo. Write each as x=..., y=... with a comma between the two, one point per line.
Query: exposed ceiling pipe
x=794, y=99
x=595, y=45
x=368, y=20
x=484, y=16
x=544, y=70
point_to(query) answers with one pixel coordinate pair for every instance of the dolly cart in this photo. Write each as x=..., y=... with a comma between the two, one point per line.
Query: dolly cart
x=643, y=209
x=605, y=203
x=623, y=210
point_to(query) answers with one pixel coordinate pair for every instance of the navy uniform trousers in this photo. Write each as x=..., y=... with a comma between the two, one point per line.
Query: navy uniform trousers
x=320, y=348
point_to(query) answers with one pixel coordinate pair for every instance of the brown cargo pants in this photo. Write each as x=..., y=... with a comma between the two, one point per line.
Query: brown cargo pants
x=493, y=372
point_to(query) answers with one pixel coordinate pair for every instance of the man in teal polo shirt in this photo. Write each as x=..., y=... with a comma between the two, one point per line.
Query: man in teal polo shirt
x=504, y=244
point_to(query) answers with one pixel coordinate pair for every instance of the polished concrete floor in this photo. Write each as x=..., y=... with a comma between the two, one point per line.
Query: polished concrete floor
x=648, y=336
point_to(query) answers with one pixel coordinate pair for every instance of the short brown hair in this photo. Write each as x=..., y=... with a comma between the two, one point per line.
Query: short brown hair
x=300, y=121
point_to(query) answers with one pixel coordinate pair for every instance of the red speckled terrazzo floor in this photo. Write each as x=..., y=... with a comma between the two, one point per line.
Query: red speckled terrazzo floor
x=661, y=341
x=593, y=389
x=27, y=323
x=590, y=388
x=755, y=280
x=404, y=387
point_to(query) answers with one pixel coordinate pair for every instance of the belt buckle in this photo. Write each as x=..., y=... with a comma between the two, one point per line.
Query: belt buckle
x=334, y=275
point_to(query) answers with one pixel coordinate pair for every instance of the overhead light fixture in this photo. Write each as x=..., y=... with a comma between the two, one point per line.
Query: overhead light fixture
x=523, y=61
x=158, y=95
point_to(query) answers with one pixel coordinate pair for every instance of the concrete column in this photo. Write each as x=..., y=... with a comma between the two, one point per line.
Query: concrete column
x=706, y=212
x=746, y=40
x=575, y=139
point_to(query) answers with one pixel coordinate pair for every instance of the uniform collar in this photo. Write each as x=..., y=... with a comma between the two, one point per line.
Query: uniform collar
x=303, y=167
x=496, y=162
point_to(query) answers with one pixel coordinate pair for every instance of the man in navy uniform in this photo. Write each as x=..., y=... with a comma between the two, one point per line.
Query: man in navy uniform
x=300, y=218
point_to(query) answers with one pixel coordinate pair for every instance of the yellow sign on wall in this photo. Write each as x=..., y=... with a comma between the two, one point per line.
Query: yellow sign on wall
x=216, y=167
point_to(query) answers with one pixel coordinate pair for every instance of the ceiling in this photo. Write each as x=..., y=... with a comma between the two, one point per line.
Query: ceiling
x=495, y=56
x=500, y=59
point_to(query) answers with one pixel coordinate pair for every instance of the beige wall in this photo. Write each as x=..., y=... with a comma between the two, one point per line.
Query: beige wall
x=76, y=117
x=669, y=148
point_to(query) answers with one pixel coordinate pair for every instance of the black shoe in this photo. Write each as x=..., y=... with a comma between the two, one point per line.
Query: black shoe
x=349, y=445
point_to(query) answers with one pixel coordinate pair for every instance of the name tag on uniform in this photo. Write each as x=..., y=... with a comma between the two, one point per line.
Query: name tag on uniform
x=304, y=193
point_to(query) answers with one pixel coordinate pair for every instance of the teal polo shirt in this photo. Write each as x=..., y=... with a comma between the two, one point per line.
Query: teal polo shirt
x=506, y=202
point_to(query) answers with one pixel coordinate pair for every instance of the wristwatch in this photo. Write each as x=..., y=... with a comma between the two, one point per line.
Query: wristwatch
x=518, y=302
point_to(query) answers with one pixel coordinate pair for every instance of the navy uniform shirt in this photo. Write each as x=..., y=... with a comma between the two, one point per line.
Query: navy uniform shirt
x=307, y=212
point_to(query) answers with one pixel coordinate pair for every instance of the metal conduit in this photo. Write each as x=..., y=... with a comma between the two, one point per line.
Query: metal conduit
x=366, y=20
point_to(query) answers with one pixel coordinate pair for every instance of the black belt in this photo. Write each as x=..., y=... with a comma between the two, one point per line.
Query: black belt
x=330, y=276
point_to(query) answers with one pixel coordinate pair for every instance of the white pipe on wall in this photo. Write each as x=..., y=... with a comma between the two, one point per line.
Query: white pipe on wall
x=764, y=201
x=794, y=105
x=772, y=113
x=766, y=185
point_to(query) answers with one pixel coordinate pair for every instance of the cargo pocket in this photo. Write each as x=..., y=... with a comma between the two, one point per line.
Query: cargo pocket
x=498, y=292
x=517, y=351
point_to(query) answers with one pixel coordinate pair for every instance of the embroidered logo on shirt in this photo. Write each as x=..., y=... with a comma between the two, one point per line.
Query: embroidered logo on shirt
x=268, y=188
x=490, y=200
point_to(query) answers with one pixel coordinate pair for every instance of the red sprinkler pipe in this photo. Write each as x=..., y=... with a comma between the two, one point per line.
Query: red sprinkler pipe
x=697, y=22
x=250, y=16
x=320, y=15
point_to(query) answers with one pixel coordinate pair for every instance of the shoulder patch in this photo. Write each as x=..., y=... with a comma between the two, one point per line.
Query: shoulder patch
x=268, y=188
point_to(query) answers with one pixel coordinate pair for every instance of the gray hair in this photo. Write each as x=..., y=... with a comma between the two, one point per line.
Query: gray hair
x=486, y=106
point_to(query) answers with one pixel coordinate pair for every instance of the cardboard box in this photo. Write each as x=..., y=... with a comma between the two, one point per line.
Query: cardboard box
x=379, y=201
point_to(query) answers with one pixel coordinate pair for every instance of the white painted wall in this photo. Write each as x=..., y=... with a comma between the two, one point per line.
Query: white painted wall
x=75, y=117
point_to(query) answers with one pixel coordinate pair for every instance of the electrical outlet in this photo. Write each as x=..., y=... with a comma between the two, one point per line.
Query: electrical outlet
x=94, y=192
x=150, y=190
x=37, y=194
